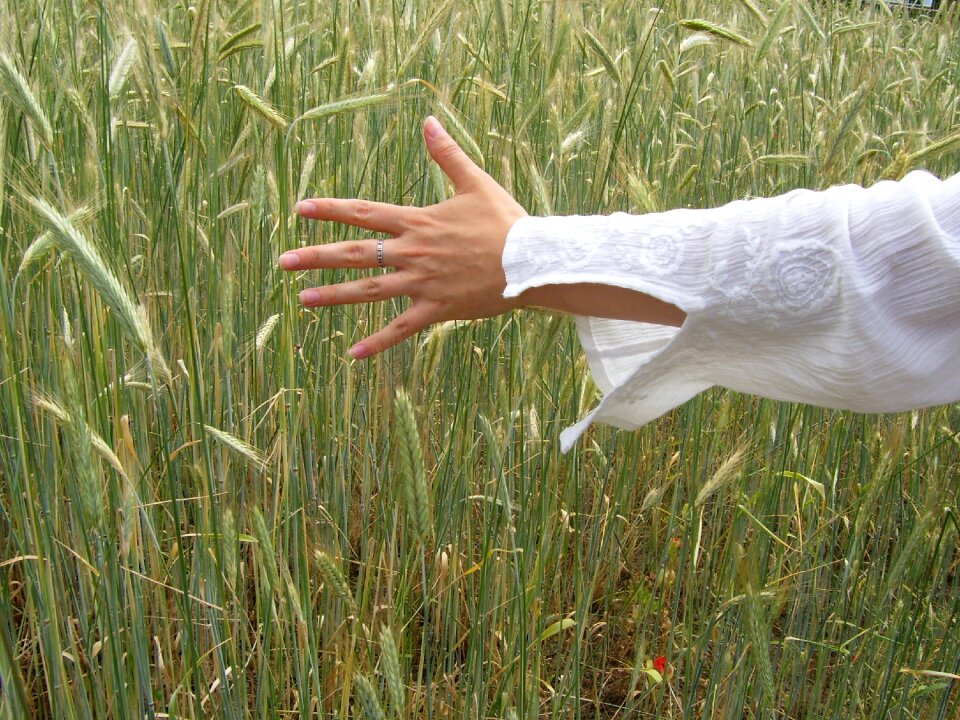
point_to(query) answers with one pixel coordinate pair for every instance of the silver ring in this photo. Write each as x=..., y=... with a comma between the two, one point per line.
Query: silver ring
x=380, y=253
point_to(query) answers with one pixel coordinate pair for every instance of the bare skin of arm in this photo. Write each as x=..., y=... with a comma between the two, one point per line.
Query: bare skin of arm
x=447, y=258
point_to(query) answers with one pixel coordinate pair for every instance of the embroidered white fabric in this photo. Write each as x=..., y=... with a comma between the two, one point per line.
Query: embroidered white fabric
x=846, y=298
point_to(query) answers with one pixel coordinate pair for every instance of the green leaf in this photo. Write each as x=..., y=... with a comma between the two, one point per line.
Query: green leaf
x=557, y=627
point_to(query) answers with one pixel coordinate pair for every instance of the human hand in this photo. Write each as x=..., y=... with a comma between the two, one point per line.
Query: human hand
x=447, y=257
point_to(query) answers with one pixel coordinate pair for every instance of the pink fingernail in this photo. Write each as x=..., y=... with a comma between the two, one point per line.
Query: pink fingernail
x=309, y=297
x=359, y=351
x=433, y=128
x=289, y=261
x=306, y=207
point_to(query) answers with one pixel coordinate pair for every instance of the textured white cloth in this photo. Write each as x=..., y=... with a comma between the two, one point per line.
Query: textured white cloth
x=846, y=298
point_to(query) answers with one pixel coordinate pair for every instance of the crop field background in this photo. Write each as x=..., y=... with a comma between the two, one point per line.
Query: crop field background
x=208, y=510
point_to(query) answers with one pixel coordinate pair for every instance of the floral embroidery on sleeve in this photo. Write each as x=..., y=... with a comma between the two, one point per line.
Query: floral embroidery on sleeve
x=796, y=278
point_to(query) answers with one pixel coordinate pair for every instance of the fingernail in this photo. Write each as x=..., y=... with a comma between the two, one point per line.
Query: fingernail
x=359, y=351
x=432, y=128
x=309, y=297
x=289, y=261
x=306, y=207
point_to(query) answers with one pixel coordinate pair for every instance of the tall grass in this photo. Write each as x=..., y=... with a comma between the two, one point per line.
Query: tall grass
x=207, y=510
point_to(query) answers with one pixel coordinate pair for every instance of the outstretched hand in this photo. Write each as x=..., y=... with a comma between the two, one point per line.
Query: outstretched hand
x=446, y=258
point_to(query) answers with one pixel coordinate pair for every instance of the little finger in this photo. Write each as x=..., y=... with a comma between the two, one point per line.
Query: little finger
x=405, y=325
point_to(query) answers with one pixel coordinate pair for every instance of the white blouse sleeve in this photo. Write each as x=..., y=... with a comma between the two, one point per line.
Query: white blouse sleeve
x=846, y=298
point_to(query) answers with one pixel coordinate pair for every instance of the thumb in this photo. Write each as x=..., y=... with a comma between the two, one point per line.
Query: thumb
x=461, y=170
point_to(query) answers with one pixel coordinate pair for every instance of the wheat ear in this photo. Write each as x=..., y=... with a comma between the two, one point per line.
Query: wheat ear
x=412, y=472
x=50, y=405
x=22, y=96
x=724, y=474
x=122, y=67
x=390, y=663
x=132, y=317
x=334, y=579
x=241, y=447
x=261, y=107
x=266, y=548
x=759, y=643
x=366, y=696
x=717, y=31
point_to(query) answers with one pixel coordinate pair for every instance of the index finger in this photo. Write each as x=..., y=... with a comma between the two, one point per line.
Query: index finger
x=375, y=216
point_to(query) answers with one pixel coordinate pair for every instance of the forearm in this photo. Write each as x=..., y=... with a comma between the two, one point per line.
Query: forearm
x=845, y=298
x=603, y=301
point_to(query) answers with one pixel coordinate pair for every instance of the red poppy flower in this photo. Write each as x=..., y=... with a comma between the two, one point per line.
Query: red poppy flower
x=660, y=664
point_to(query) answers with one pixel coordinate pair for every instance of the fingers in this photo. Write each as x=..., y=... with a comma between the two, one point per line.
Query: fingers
x=365, y=290
x=403, y=326
x=348, y=254
x=461, y=170
x=376, y=216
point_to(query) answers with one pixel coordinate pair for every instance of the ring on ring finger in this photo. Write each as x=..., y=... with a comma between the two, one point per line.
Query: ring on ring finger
x=380, y=261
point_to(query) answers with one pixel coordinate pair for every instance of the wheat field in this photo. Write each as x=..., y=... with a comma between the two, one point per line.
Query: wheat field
x=208, y=510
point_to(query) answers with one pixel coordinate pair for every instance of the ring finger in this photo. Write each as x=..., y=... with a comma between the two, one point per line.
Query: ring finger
x=365, y=290
x=357, y=254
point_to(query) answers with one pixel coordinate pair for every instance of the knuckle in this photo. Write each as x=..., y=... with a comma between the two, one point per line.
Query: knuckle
x=354, y=252
x=412, y=252
x=422, y=221
x=401, y=328
x=448, y=151
x=436, y=311
x=371, y=288
x=362, y=209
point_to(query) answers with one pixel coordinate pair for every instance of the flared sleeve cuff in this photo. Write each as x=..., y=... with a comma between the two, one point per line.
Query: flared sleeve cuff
x=845, y=298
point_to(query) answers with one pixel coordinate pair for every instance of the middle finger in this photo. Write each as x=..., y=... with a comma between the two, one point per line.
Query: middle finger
x=376, y=216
